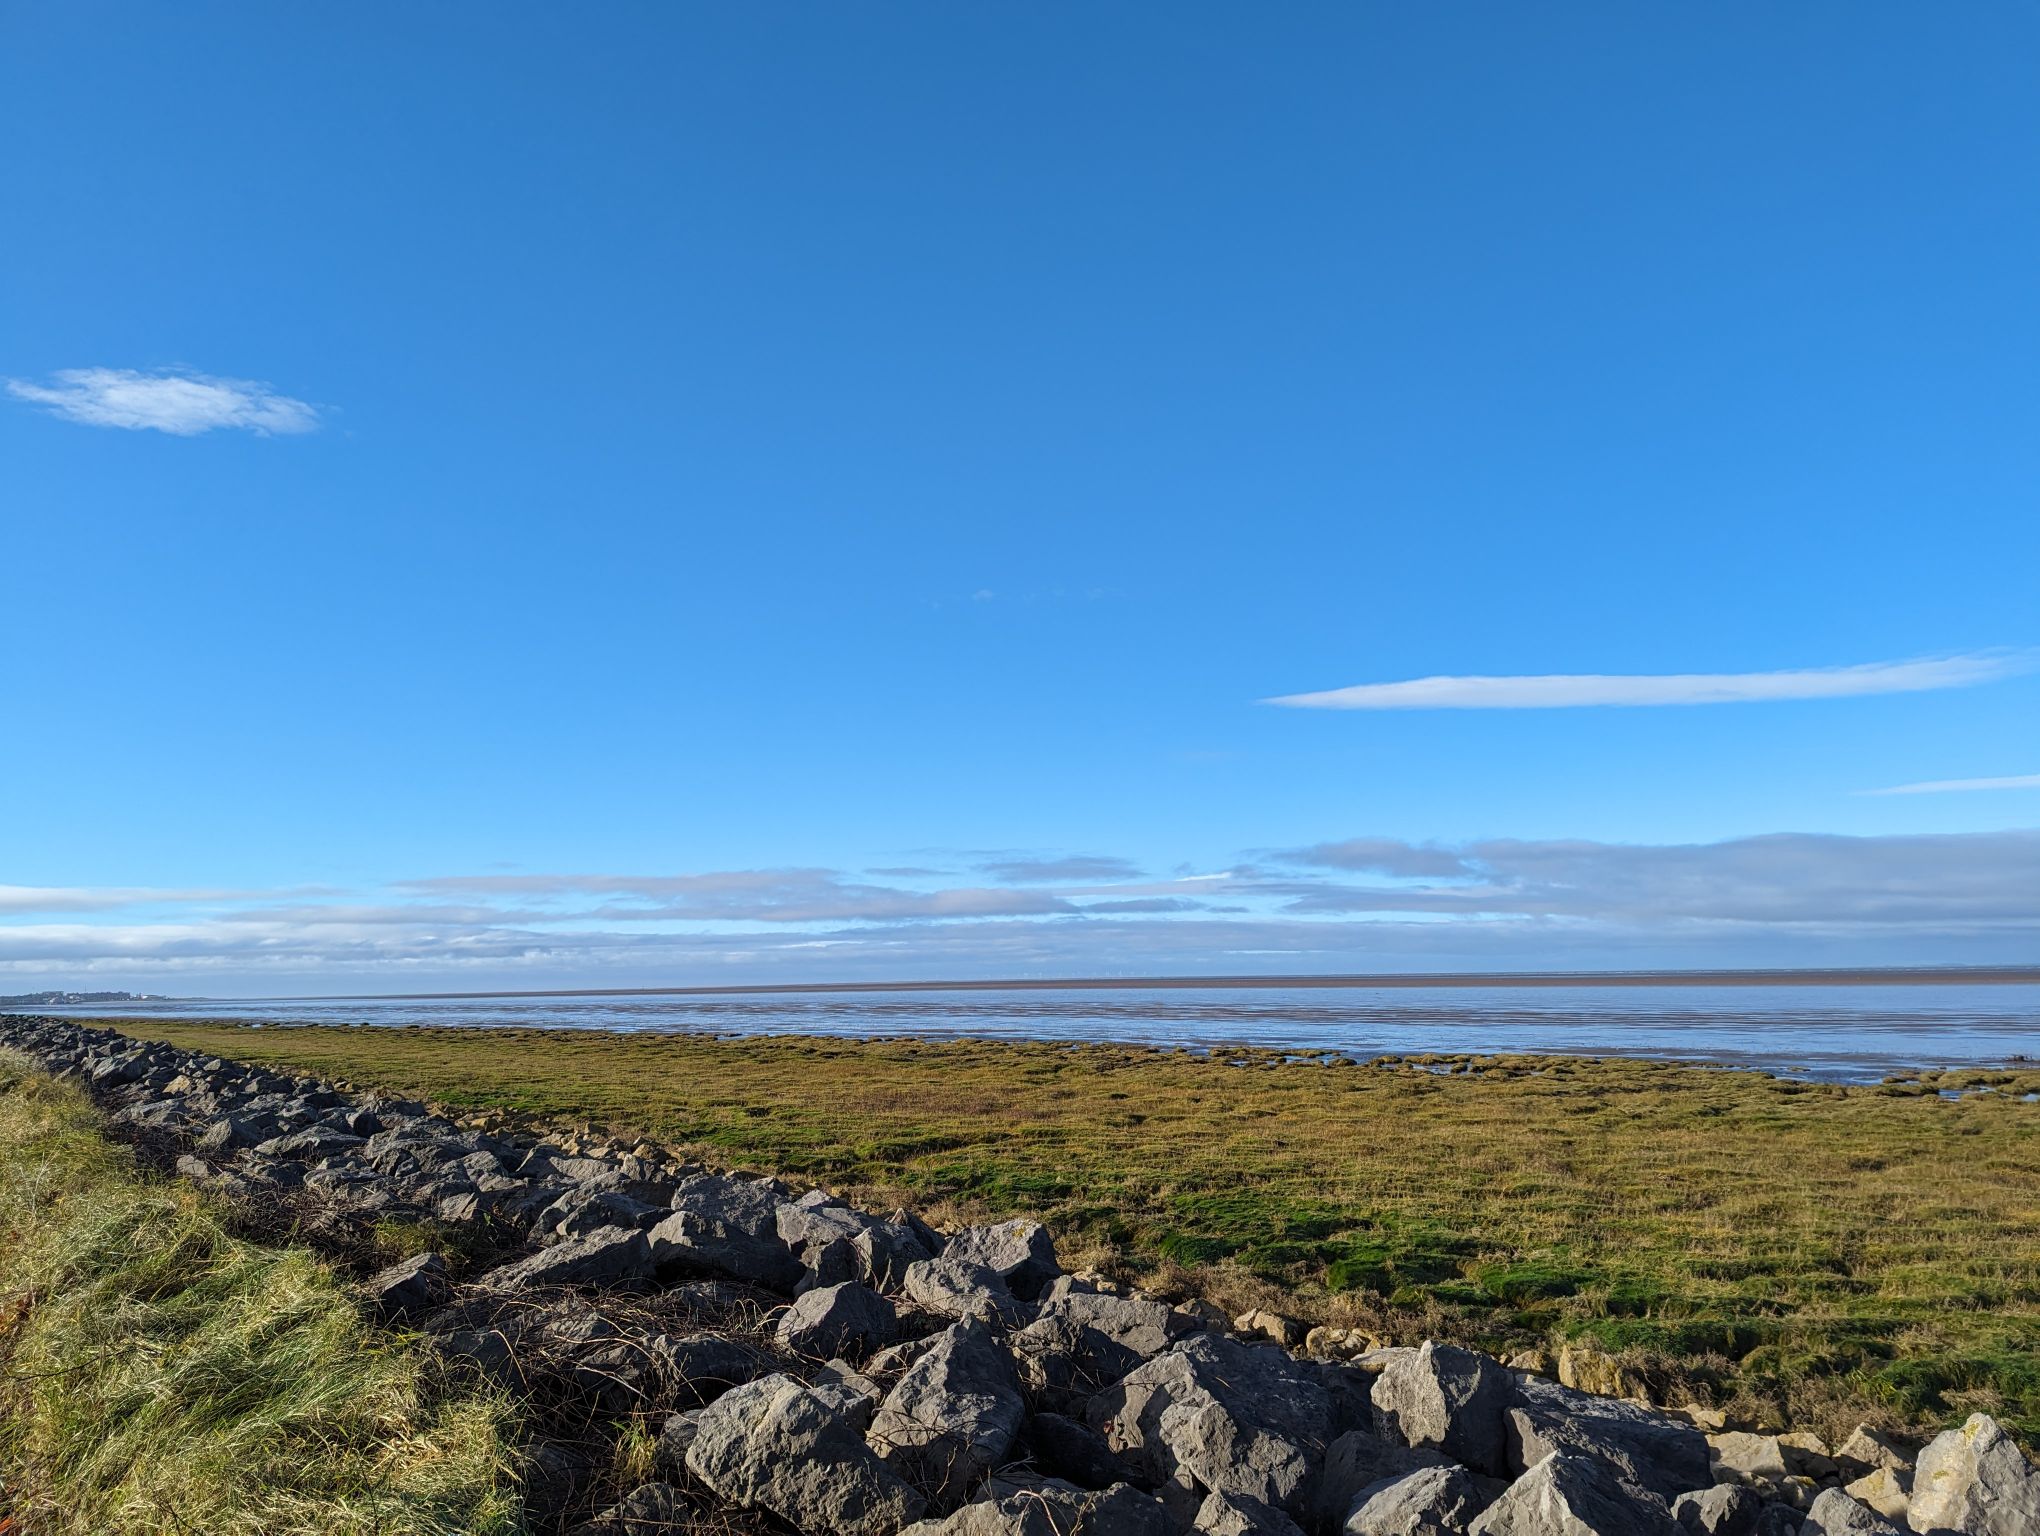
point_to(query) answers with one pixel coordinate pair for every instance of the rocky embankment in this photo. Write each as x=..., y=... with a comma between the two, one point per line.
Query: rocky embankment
x=807, y=1365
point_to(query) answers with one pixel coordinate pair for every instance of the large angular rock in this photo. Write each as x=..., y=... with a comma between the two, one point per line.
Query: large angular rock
x=583, y=1210
x=1233, y=1514
x=1448, y=1400
x=849, y=1320
x=1355, y=1462
x=1886, y=1491
x=828, y=1236
x=316, y=1141
x=853, y=1395
x=1656, y=1453
x=1216, y=1416
x=1726, y=1509
x=1045, y=1507
x=1021, y=1251
x=1435, y=1501
x=1866, y=1448
x=1747, y=1457
x=774, y=1445
x=408, y=1288
x=1573, y=1496
x=954, y=1287
x=608, y=1256
x=883, y=1251
x=232, y=1130
x=953, y=1416
x=1084, y=1341
x=727, y=1227
x=1974, y=1480
x=1834, y=1513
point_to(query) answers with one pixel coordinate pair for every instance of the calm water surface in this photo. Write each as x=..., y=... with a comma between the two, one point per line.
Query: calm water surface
x=1842, y=1032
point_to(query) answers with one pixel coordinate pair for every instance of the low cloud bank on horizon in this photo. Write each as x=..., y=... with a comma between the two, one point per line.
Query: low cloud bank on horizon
x=181, y=403
x=1568, y=691
x=1355, y=904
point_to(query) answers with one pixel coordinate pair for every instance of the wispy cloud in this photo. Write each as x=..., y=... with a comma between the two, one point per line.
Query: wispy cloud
x=17, y=900
x=742, y=896
x=1957, y=786
x=1787, y=880
x=182, y=404
x=1082, y=866
x=1382, y=856
x=1566, y=691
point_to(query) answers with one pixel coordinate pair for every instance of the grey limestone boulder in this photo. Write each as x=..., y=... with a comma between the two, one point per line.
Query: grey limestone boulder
x=1432, y=1501
x=953, y=1416
x=583, y=1210
x=1867, y=1448
x=1726, y=1509
x=835, y=1242
x=1021, y=1251
x=1834, y=1513
x=728, y=1227
x=313, y=1142
x=408, y=1288
x=1358, y=1461
x=1566, y=1495
x=1216, y=1416
x=854, y=1396
x=1974, y=1480
x=608, y=1256
x=774, y=1445
x=955, y=1287
x=847, y=1319
x=1083, y=1341
x=1651, y=1451
x=1448, y=1400
x=1233, y=1514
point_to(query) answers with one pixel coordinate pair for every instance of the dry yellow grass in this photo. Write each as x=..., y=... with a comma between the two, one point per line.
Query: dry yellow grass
x=160, y=1375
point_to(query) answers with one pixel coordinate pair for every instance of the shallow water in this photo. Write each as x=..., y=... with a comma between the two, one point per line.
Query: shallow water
x=1850, y=1033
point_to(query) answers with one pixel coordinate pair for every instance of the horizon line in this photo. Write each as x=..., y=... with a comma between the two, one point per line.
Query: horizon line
x=1911, y=975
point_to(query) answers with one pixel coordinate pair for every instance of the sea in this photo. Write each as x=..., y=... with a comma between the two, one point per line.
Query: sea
x=1851, y=1033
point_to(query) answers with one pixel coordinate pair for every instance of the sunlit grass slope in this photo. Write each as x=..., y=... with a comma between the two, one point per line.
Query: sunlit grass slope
x=159, y=1375
x=1831, y=1250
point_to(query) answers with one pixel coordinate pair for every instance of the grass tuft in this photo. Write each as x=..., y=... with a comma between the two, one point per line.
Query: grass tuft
x=160, y=1375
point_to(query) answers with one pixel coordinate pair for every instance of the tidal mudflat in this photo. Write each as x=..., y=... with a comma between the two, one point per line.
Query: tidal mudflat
x=1840, y=1026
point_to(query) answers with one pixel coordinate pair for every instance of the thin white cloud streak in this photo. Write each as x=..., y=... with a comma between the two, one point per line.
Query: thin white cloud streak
x=1959, y=786
x=181, y=404
x=16, y=900
x=1988, y=880
x=744, y=895
x=1082, y=866
x=1564, y=691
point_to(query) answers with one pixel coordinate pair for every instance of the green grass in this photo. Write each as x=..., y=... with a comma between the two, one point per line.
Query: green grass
x=1832, y=1253
x=159, y=1375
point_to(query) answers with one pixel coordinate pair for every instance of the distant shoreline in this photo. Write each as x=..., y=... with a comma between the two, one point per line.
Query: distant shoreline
x=1881, y=976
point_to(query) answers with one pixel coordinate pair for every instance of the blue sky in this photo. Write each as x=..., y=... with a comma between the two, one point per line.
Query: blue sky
x=506, y=494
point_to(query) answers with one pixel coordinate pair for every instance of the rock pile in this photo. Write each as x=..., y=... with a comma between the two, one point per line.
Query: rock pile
x=851, y=1375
